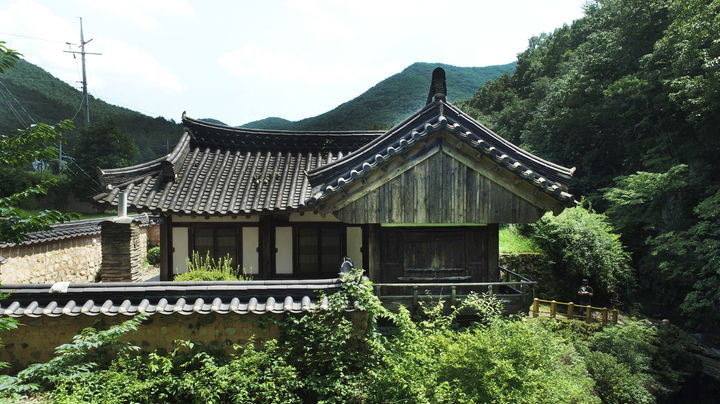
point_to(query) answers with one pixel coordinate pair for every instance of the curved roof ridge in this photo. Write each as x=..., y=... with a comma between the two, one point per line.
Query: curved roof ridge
x=186, y=120
x=356, y=153
x=511, y=145
x=549, y=177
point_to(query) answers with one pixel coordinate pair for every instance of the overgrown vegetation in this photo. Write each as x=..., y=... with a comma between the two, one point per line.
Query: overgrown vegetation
x=581, y=244
x=210, y=269
x=512, y=241
x=37, y=142
x=629, y=95
x=331, y=356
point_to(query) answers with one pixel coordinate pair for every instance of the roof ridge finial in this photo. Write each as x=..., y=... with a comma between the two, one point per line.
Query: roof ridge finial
x=438, y=87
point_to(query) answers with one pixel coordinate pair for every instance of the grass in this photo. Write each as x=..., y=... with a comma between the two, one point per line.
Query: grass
x=513, y=242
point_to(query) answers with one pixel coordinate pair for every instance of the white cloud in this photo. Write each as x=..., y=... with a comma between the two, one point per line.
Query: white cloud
x=119, y=60
x=281, y=65
x=122, y=59
x=145, y=13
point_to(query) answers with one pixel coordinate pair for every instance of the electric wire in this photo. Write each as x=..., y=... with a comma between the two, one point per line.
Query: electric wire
x=18, y=102
x=14, y=111
x=33, y=37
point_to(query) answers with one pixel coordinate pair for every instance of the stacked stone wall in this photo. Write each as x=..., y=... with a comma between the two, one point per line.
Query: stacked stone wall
x=71, y=260
x=74, y=259
x=36, y=339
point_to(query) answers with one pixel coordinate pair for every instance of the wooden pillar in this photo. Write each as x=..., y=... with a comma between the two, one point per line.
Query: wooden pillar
x=373, y=249
x=493, y=251
x=536, y=307
x=166, y=248
x=267, y=248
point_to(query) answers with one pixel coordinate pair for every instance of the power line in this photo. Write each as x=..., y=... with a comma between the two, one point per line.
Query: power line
x=32, y=37
x=12, y=109
x=18, y=102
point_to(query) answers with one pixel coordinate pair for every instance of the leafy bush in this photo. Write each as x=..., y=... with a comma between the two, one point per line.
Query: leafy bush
x=205, y=276
x=501, y=361
x=615, y=382
x=153, y=256
x=210, y=269
x=189, y=374
x=581, y=244
x=329, y=356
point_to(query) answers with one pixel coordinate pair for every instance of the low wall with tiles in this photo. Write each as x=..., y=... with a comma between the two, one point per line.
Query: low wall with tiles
x=75, y=259
x=35, y=340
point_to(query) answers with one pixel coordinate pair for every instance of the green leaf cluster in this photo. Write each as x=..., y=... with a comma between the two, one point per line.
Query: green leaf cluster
x=582, y=244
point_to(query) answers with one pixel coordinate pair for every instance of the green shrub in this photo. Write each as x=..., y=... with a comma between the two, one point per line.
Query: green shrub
x=581, y=244
x=210, y=269
x=505, y=361
x=153, y=256
x=615, y=382
x=189, y=374
x=205, y=276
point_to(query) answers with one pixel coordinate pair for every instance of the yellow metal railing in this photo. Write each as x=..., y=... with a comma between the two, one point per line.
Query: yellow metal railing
x=571, y=309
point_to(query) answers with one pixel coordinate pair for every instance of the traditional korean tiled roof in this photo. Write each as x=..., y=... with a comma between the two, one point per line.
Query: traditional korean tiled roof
x=439, y=115
x=111, y=299
x=223, y=170
x=75, y=228
x=217, y=169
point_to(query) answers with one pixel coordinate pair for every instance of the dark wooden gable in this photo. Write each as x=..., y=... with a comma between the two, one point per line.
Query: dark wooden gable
x=439, y=182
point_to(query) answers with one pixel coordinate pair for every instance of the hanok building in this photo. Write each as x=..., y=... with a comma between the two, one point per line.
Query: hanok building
x=419, y=203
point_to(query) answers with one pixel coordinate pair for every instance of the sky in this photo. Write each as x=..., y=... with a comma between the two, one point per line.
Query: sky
x=239, y=61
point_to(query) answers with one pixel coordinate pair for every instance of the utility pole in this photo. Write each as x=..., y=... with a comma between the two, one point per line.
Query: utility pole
x=85, y=100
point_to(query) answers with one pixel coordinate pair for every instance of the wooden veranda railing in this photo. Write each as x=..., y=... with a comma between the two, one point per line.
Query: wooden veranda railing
x=511, y=284
x=576, y=311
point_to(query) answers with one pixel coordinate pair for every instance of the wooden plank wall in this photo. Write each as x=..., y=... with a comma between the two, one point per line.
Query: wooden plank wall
x=440, y=189
x=390, y=255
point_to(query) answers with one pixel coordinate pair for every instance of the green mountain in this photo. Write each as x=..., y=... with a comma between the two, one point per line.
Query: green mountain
x=213, y=121
x=48, y=99
x=392, y=99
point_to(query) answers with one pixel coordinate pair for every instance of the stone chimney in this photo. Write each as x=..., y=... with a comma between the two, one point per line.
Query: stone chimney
x=121, y=247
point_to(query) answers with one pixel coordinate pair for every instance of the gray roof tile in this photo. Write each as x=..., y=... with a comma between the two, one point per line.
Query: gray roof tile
x=218, y=169
x=75, y=228
x=112, y=299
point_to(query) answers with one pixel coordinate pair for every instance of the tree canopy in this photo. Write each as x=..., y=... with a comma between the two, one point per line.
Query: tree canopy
x=629, y=94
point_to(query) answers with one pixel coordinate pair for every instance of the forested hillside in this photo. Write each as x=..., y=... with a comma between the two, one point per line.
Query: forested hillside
x=630, y=95
x=48, y=99
x=392, y=99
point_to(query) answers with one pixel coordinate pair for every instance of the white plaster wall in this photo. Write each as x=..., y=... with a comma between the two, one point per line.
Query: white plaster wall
x=180, y=249
x=354, y=246
x=251, y=241
x=283, y=244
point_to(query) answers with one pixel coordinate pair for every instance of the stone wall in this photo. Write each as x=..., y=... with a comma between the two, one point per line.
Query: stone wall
x=36, y=339
x=74, y=259
x=536, y=267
